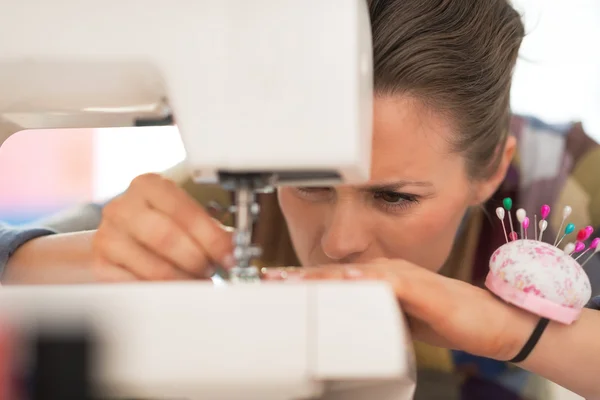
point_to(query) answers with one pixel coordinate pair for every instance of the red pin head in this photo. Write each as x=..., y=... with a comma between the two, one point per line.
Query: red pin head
x=584, y=234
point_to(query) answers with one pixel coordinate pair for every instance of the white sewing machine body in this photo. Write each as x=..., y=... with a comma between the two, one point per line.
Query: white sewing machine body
x=278, y=341
x=289, y=82
x=275, y=87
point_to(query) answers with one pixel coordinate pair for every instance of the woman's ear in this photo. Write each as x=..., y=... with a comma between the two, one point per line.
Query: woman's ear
x=485, y=188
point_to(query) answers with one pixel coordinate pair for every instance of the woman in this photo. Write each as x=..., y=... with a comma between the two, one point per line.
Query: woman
x=441, y=146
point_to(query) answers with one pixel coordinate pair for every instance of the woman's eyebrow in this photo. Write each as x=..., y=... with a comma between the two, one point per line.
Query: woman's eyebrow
x=393, y=186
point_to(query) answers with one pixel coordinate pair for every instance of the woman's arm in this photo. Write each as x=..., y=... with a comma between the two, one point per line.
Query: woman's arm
x=13, y=238
x=58, y=258
x=570, y=355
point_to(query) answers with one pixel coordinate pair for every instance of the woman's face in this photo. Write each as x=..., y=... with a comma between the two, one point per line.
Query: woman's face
x=410, y=209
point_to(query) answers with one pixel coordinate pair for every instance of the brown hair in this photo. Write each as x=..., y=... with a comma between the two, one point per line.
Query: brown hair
x=458, y=57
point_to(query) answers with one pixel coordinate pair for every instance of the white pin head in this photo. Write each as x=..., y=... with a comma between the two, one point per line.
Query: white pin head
x=521, y=214
x=567, y=211
x=543, y=225
x=569, y=248
x=500, y=213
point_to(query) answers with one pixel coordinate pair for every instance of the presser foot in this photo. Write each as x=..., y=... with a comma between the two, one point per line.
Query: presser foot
x=244, y=275
x=222, y=277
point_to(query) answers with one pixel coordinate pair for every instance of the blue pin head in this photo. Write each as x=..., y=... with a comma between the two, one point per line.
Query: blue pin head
x=569, y=229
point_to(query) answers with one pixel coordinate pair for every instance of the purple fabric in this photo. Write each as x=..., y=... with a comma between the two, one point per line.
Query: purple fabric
x=546, y=191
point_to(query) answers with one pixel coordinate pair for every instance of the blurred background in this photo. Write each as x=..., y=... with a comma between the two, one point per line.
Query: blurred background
x=557, y=80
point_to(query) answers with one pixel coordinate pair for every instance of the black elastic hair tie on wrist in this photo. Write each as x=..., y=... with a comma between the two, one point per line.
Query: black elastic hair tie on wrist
x=533, y=339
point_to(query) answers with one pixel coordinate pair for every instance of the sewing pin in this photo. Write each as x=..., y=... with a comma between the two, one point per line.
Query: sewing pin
x=500, y=214
x=545, y=211
x=569, y=248
x=525, y=226
x=543, y=226
x=596, y=250
x=521, y=215
x=593, y=246
x=535, y=226
x=579, y=247
x=568, y=230
x=507, y=202
x=585, y=233
x=566, y=212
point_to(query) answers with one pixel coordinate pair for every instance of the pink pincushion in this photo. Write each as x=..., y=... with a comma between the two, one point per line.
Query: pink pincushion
x=540, y=278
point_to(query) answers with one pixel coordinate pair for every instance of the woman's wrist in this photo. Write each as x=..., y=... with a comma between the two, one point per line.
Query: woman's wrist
x=518, y=328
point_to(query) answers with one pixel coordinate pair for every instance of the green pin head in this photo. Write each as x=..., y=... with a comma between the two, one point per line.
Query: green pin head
x=507, y=202
x=569, y=229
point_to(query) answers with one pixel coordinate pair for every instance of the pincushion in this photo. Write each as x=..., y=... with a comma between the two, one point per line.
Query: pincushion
x=539, y=277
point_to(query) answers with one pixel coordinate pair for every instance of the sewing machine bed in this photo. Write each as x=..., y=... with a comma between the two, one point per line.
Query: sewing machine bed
x=198, y=341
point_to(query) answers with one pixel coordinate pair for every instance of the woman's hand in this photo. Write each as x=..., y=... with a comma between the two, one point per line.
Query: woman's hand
x=155, y=231
x=443, y=312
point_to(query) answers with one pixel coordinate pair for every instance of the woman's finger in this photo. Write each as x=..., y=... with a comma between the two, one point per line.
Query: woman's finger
x=162, y=236
x=166, y=197
x=119, y=249
x=420, y=291
x=104, y=271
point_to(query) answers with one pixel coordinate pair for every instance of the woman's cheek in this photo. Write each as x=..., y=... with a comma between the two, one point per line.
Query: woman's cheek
x=302, y=218
x=425, y=241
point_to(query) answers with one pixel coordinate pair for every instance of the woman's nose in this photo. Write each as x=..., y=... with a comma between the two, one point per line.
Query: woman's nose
x=345, y=237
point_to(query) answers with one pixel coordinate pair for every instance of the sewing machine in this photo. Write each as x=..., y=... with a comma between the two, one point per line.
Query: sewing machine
x=264, y=93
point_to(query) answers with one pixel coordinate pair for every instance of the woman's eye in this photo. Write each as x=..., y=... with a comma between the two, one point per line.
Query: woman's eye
x=393, y=197
x=394, y=201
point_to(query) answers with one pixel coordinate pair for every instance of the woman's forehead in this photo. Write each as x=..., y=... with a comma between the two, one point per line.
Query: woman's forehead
x=410, y=141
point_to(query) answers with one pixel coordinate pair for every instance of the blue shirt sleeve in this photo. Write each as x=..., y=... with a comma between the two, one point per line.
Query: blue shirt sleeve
x=12, y=238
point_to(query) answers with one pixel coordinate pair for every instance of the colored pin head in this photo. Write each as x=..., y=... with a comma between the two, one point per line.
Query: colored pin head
x=579, y=246
x=545, y=211
x=589, y=230
x=595, y=243
x=583, y=234
x=507, y=203
x=525, y=223
x=569, y=229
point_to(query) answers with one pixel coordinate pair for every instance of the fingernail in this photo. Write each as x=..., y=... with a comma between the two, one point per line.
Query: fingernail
x=282, y=274
x=292, y=275
x=229, y=261
x=353, y=273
